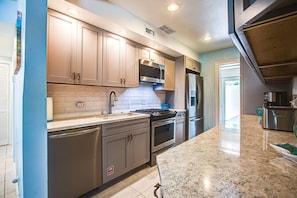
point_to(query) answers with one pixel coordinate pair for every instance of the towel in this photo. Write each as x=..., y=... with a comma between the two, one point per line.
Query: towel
x=289, y=147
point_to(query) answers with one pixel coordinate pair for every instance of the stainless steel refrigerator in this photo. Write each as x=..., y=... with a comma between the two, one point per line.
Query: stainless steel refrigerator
x=194, y=105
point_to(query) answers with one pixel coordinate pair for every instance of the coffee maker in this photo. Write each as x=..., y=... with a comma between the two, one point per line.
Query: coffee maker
x=277, y=114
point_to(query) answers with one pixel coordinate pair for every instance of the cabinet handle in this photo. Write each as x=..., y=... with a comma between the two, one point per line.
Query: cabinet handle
x=128, y=138
x=131, y=137
x=121, y=81
x=78, y=76
x=73, y=76
x=124, y=80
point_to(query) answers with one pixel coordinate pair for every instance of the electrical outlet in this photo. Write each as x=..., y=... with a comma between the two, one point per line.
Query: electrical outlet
x=79, y=104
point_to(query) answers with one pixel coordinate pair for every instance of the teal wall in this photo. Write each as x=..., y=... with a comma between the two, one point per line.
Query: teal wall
x=208, y=63
x=30, y=102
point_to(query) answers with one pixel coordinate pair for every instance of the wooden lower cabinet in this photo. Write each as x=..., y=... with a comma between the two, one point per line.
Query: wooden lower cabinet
x=125, y=146
x=180, y=128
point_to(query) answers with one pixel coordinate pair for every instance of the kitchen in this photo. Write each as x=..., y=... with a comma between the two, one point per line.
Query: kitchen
x=247, y=109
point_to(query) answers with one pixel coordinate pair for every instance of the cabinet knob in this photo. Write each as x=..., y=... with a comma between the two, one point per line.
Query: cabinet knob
x=124, y=81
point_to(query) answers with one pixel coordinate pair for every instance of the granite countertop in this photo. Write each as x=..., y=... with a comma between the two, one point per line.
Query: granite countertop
x=92, y=120
x=229, y=161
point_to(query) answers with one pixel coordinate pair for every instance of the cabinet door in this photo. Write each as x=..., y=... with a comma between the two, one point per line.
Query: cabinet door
x=61, y=48
x=157, y=58
x=169, y=75
x=189, y=63
x=192, y=64
x=139, y=148
x=112, y=60
x=144, y=53
x=114, y=155
x=179, y=132
x=131, y=71
x=89, y=58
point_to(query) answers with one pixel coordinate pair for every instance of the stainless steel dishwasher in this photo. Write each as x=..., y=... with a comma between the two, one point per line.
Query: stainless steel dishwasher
x=74, y=162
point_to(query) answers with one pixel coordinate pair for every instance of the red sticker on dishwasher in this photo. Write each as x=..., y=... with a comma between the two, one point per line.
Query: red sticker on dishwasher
x=110, y=170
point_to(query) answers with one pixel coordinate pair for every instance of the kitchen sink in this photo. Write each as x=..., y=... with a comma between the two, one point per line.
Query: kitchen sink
x=116, y=116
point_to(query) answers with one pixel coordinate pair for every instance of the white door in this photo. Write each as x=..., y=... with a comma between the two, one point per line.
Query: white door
x=229, y=94
x=4, y=104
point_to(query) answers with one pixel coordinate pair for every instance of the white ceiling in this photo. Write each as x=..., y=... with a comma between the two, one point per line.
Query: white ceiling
x=192, y=22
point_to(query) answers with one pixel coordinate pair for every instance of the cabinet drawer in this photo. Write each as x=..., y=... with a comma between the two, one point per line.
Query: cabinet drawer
x=119, y=127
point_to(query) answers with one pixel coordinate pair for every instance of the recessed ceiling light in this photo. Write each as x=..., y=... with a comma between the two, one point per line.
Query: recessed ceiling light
x=207, y=38
x=172, y=7
x=73, y=11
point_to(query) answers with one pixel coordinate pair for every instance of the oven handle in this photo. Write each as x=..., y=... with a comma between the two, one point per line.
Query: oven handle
x=163, y=122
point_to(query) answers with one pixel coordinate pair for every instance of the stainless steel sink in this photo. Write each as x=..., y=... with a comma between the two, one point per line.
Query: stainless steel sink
x=116, y=116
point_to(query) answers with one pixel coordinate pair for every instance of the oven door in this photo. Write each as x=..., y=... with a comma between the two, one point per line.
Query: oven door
x=163, y=134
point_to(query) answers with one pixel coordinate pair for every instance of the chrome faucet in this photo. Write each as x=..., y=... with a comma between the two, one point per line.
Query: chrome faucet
x=111, y=102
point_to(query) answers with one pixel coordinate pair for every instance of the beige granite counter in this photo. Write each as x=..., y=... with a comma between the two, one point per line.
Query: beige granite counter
x=229, y=162
x=93, y=120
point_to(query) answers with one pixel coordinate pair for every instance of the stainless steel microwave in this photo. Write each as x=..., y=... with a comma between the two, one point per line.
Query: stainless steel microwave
x=151, y=72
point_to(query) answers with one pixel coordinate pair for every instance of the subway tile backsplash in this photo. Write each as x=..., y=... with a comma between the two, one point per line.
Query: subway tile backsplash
x=94, y=100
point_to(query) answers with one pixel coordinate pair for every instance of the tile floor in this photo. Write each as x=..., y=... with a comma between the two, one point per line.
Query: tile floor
x=140, y=184
x=7, y=173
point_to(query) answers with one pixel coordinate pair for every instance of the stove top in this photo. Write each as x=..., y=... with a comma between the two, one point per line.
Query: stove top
x=157, y=114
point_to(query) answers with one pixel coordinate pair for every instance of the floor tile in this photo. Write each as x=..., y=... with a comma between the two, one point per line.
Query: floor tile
x=126, y=193
x=9, y=187
x=1, y=189
x=149, y=193
x=7, y=173
x=144, y=183
x=140, y=196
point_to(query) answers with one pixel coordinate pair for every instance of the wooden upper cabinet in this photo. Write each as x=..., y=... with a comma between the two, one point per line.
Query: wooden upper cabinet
x=61, y=48
x=120, y=62
x=74, y=53
x=131, y=68
x=157, y=57
x=192, y=64
x=112, y=60
x=89, y=55
x=169, y=75
x=150, y=54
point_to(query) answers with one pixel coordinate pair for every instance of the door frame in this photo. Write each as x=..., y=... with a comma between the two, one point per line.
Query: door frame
x=217, y=87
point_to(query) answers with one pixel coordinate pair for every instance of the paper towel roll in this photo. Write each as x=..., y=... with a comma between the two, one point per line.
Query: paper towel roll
x=49, y=108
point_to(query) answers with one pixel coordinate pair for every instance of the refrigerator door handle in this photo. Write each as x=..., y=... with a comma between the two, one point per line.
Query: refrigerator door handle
x=197, y=119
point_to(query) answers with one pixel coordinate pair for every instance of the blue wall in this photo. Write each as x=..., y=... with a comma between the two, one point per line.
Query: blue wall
x=30, y=102
x=208, y=63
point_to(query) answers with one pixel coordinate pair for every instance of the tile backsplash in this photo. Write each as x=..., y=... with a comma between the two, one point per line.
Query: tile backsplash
x=94, y=100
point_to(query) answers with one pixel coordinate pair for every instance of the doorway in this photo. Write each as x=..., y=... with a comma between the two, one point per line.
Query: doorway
x=5, y=131
x=229, y=94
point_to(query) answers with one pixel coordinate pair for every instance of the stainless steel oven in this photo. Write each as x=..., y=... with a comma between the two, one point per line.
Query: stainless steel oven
x=162, y=134
x=162, y=131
